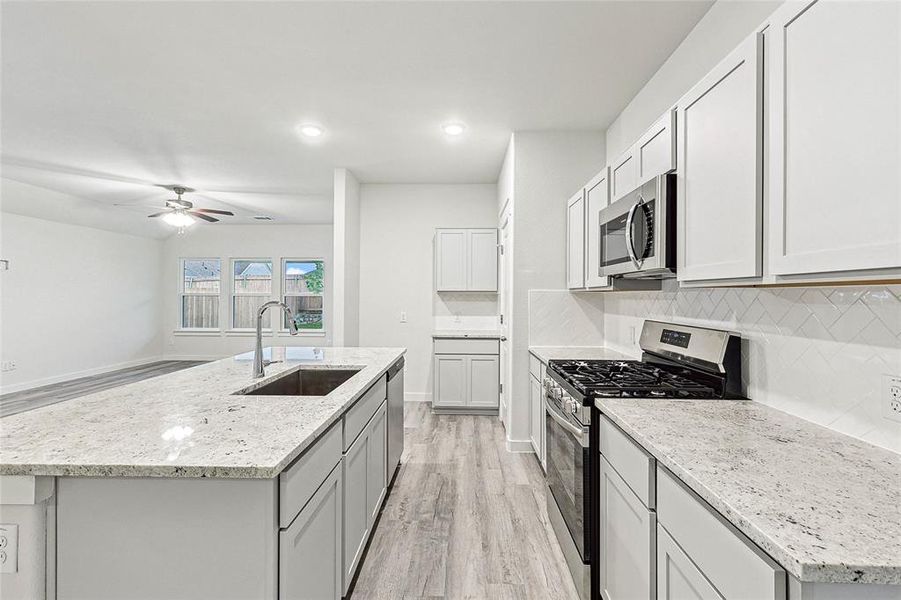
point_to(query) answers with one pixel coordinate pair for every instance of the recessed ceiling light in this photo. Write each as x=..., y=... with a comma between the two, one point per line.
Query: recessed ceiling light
x=453, y=128
x=311, y=130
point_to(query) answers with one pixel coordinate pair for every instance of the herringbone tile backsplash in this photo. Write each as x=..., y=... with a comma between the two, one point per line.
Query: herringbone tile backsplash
x=819, y=352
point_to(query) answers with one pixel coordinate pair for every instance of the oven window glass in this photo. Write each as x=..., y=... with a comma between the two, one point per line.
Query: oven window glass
x=613, y=242
x=566, y=463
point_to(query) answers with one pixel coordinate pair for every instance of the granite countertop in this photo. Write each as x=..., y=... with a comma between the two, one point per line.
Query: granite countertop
x=547, y=353
x=825, y=506
x=189, y=423
x=483, y=334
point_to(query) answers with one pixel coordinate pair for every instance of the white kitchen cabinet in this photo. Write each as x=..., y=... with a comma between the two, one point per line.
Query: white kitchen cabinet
x=597, y=197
x=466, y=374
x=835, y=137
x=536, y=417
x=719, y=156
x=377, y=464
x=575, y=242
x=310, y=548
x=450, y=388
x=655, y=152
x=627, y=540
x=484, y=381
x=623, y=174
x=677, y=577
x=356, y=514
x=466, y=260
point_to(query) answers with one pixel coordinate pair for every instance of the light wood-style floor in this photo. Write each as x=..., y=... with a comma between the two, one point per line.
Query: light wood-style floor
x=465, y=519
x=17, y=402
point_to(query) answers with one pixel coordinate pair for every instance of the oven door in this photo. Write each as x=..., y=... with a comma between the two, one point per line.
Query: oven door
x=567, y=467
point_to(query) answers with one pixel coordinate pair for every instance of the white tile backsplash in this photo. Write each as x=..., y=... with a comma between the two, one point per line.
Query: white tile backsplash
x=561, y=318
x=818, y=353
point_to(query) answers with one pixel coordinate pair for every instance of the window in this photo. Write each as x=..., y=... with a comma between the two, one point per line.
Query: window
x=252, y=287
x=302, y=283
x=200, y=287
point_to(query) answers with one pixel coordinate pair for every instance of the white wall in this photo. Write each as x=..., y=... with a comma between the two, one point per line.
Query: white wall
x=241, y=241
x=76, y=300
x=549, y=167
x=724, y=26
x=347, y=259
x=398, y=224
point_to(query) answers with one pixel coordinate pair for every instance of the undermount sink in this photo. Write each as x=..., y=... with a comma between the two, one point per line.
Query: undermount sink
x=305, y=382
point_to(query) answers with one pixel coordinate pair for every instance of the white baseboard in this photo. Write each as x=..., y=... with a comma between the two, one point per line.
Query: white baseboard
x=36, y=383
x=195, y=357
x=519, y=446
x=417, y=397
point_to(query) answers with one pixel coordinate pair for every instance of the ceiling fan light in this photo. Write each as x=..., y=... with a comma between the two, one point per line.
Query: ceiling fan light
x=179, y=219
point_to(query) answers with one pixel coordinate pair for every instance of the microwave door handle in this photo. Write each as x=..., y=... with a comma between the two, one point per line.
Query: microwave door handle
x=630, y=246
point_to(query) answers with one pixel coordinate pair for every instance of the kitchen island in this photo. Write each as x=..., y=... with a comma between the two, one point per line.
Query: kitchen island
x=205, y=483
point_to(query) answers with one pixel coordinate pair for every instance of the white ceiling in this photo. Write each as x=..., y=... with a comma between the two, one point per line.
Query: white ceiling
x=103, y=99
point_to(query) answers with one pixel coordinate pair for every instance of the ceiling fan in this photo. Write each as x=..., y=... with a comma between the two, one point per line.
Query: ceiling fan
x=181, y=213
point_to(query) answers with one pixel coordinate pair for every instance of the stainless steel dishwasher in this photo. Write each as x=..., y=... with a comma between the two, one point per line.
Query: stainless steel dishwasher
x=395, y=417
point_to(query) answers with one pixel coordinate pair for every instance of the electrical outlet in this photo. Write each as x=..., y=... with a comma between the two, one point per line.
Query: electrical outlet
x=9, y=548
x=7, y=366
x=891, y=397
x=632, y=334
x=403, y=316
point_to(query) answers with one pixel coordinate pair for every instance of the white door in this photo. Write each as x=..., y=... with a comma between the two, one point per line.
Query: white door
x=376, y=463
x=575, y=242
x=623, y=174
x=482, y=260
x=720, y=197
x=597, y=194
x=677, y=577
x=627, y=533
x=309, y=560
x=655, y=152
x=356, y=515
x=450, y=380
x=484, y=376
x=835, y=128
x=450, y=260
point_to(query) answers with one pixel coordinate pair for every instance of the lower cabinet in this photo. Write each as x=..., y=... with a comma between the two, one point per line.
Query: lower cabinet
x=627, y=540
x=466, y=382
x=677, y=577
x=310, y=548
x=536, y=418
x=364, y=472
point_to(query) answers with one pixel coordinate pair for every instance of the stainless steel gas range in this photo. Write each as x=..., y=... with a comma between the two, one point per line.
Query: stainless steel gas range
x=678, y=361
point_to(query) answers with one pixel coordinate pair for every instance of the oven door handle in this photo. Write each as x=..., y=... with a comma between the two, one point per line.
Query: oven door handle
x=630, y=243
x=576, y=432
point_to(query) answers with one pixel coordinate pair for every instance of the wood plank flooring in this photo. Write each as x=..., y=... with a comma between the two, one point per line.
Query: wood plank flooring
x=17, y=402
x=466, y=519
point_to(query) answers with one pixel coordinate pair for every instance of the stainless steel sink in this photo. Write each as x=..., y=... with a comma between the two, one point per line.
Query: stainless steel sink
x=305, y=382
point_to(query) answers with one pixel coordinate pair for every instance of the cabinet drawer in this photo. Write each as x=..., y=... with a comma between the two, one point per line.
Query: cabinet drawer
x=360, y=413
x=298, y=483
x=466, y=346
x=536, y=368
x=630, y=460
x=732, y=563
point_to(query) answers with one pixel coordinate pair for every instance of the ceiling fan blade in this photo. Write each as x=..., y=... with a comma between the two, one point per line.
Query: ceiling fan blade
x=213, y=211
x=159, y=214
x=202, y=216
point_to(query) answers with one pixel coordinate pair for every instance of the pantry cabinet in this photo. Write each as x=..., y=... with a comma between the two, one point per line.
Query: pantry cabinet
x=466, y=260
x=835, y=137
x=597, y=196
x=575, y=242
x=719, y=156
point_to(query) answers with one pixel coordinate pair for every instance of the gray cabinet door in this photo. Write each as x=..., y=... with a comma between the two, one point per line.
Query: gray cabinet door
x=451, y=256
x=536, y=415
x=310, y=548
x=575, y=242
x=483, y=373
x=450, y=380
x=677, y=577
x=627, y=533
x=482, y=260
x=376, y=463
x=356, y=513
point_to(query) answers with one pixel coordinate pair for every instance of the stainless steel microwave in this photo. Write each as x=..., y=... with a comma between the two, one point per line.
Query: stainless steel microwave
x=638, y=232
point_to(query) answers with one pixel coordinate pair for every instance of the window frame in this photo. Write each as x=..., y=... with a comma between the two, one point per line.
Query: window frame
x=181, y=296
x=284, y=294
x=267, y=326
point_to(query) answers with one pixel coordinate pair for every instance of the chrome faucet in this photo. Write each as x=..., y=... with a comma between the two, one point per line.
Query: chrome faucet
x=258, y=362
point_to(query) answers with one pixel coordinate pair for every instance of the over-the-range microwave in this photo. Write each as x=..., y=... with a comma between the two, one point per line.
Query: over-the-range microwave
x=638, y=232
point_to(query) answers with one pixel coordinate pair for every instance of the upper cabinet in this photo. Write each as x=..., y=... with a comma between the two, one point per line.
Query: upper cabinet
x=575, y=242
x=655, y=152
x=719, y=155
x=623, y=174
x=834, y=130
x=597, y=195
x=466, y=260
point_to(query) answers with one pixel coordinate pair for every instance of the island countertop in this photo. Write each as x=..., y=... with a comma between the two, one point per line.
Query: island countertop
x=824, y=505
x=192, y=423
